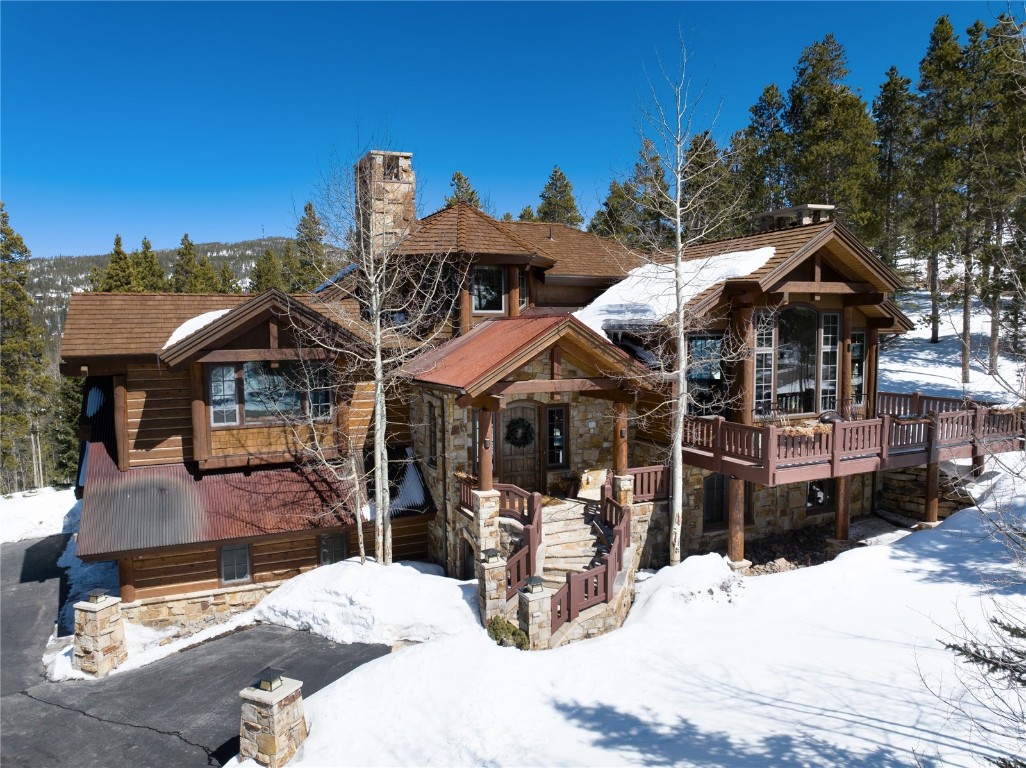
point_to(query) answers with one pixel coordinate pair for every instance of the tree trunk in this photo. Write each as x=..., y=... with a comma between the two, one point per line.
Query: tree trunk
x=934, y=270
x=967, y=295
x=679, y=382
x=357, y=472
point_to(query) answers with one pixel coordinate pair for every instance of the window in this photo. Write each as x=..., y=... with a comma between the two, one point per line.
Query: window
x=432, y=434
x=523, y=287
x=334, y=548
x=828, y=372
x=258, y=393
x=556, y=451
x=716, y=502
x=488, y=289
x=858, y=363
x=797, y=334
x=764, y=323
x=235, y=563
x=705, y=379
x=223, y=403
x=819, y=496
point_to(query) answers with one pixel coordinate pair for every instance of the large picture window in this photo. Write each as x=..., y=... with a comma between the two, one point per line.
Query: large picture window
x=256, y=392
x=705, y=377
x=488, y=289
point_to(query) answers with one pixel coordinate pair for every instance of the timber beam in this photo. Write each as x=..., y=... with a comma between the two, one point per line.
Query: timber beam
x=481, y=402
x=552, y=385
x=821, y=287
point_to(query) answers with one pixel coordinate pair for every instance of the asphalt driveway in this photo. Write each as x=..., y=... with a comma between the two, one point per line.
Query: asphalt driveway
x=182, y=710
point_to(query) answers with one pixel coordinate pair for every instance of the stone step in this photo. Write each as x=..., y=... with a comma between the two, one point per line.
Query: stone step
x=555, y=526
x=564, y=564
x=559, y=514
x=570, y=534
x=565, y=555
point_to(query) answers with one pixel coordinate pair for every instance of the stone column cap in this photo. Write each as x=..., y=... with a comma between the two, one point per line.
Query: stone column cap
x=107, y=602
x=534, y=597
x=486, y=494
x=270, y=698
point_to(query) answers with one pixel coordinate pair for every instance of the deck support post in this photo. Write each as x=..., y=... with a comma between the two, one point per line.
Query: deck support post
x=465, y=309
x=484, y=449
x=932, y=492
x=620, y=439
x=736, y=524
x=842, y=508
x=742, y=391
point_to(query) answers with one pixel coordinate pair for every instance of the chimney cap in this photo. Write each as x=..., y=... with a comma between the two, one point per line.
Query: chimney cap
x=796, y=216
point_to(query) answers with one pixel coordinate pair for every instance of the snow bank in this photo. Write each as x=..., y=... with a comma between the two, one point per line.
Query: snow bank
x=193, y=324
x=352, y=603
x=35, y=515
x=647, y=295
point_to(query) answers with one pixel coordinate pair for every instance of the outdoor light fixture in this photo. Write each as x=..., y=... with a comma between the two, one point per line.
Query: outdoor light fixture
x=490, y=555
x=534, y=585
x=269, y=679
x=487, y=443
x=97, y=595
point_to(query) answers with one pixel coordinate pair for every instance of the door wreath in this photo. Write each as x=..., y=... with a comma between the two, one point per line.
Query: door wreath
x=519, y=432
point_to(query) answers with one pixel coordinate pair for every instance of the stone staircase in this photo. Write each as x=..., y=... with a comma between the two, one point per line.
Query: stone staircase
x=570, y=540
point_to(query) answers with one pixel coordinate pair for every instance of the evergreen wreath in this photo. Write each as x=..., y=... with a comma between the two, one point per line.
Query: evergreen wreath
x=519, y=432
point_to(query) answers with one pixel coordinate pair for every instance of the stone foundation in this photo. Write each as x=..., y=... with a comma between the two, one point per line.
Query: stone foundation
x=196, y=611
x=601, y=618
x=904, y=491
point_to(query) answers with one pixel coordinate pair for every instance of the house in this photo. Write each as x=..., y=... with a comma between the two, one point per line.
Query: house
x=218, y=428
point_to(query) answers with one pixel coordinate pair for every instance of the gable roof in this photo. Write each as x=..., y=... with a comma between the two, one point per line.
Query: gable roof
x=496, y=348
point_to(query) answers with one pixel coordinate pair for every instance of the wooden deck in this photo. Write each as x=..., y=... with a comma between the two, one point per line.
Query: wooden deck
x=913, y=430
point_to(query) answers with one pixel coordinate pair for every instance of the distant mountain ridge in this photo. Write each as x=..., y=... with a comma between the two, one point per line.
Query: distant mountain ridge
x=53, y=280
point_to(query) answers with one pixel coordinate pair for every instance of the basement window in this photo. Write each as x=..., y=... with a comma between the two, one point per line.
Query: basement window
x=235, y=564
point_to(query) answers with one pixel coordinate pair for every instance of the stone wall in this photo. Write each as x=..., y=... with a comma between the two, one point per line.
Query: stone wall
x=197, y=610
x=601, y=618
x=904, y=491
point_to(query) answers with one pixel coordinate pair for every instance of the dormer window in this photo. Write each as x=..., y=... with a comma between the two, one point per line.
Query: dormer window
x=489, y=288
x=256, y=392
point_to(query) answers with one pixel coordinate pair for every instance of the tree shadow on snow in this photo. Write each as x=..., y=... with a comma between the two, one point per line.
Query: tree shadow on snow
x=684, y=743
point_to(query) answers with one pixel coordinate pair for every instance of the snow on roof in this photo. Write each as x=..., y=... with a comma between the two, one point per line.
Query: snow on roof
x=193, y=324
x=646, y=295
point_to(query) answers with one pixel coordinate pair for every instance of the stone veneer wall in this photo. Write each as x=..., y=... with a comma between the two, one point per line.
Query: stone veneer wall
x=590, y=434
x=198, y=610
x=601, y=618
x=904, y=491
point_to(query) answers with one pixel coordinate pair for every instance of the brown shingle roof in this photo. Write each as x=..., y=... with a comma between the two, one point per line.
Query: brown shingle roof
x=462, y=228
x=576, y=253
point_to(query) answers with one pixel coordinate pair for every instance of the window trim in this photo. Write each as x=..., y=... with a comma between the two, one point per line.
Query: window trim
x=248, y=578
x=502, y=289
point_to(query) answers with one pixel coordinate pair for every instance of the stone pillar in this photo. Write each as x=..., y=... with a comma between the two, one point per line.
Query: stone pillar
x=623, y=490
x=535, y=613
x=273, y=723
x=491, y=577
x=99, y=637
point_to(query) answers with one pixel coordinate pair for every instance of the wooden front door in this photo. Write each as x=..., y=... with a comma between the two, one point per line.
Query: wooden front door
x=518, y=436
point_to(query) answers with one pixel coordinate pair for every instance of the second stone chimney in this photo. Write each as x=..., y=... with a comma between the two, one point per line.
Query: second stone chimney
x=798, y=216
x=386, y=190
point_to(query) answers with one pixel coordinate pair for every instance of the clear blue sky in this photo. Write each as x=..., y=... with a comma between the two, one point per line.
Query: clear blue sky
x=154, y=119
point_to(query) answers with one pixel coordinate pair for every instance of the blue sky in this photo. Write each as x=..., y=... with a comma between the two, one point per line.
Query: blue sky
x=154, y=119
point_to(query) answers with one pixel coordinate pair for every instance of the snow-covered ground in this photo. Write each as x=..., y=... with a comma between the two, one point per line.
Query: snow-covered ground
x=909, y=362
x=38, y=514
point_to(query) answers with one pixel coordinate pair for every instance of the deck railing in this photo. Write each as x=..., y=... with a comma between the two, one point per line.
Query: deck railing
x=771, y=455
x=515, y=502
x=525, y=507
x=650, y=483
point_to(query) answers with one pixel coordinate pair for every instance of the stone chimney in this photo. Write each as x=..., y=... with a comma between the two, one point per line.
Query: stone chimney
x=798, y=216
x=386, y=197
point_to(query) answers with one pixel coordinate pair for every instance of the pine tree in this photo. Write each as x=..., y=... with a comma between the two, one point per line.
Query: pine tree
x=462, y=192
x=832, y=154
x=894, y=113
x=557, y=201
x=653, y=195
x=507, y=216
x=192, y=274
x=66, y=443
x=618, y=216
x=707, y=194
x=311, y=262
x=25, y=387
x=527, y=214
x=149, y=275
x=119, y=275
x=226, y=282
x=938, y=205
x=267, y=273
x=763, y=150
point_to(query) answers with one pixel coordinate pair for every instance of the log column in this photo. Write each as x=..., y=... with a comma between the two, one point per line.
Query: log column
x=932, y=479
x=513, y=290
x=742, y=388
x=844, y=360
x=869, y=370
x=736, y=524
x=484, y=449
x=126, y=578
x=465, y=309
x=842, y=508
x=620, y=439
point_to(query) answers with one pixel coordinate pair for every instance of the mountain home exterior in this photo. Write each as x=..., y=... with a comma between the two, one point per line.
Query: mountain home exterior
x=220, y=429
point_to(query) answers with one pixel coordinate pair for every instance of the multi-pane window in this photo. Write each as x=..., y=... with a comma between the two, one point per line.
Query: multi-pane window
x=523, y=287
x=257, y=392
x=828, y=370
x=488, y=288
x=223, y=401
x=705, y=379
x=333, y=548
x=797, y=336
x=555, y=436
x=235, y=563
x=764, y=324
